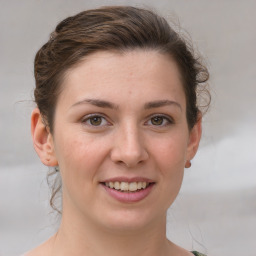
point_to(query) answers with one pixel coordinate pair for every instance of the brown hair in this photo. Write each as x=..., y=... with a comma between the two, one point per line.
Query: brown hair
x=118, y=28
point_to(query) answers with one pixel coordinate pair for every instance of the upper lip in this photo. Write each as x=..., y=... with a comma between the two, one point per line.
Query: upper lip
x=129, y=180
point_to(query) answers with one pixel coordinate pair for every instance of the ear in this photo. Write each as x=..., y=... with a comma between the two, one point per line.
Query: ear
x=42, y=139
x=194, y=138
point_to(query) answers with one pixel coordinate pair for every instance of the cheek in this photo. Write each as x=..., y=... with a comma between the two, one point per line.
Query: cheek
x=171, y=152
x=170, y=155
x=78, y=163
x=73, y=152
x=171, y=159
x=80, y=155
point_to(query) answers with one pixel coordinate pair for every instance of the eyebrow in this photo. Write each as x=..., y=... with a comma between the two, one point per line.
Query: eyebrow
x=107, y=104
x=97, y=103
x=161, y=103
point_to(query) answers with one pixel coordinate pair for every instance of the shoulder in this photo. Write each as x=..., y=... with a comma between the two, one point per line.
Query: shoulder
x=34, y=252
x=198, y=253
x=41, y=250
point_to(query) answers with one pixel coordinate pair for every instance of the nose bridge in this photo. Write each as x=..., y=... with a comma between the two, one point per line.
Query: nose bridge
x=129, y=146
x=132, y=140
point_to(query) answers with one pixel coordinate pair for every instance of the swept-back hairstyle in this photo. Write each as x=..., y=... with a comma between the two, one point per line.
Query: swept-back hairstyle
x=117, y=28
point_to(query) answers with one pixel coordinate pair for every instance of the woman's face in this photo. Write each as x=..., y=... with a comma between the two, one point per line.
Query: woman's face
x=120, y=125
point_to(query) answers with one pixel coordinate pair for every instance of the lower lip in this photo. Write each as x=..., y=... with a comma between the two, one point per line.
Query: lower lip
x=129, y=197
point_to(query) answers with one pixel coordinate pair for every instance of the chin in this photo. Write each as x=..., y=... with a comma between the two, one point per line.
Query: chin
x=129, y=220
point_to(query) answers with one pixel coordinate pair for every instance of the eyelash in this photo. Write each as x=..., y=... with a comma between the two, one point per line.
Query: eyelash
x=167, y=120
x=90, y=117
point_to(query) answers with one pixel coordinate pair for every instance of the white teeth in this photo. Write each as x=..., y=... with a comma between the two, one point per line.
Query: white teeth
x=125, y=186
x=133, y=186
x=117, y=185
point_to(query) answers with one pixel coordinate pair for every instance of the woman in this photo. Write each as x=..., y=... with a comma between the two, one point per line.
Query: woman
x=117, y=116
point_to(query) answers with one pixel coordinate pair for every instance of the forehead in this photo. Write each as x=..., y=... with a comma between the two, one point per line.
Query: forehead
x=136, y=72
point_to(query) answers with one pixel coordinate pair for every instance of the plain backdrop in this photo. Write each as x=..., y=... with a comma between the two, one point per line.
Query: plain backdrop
x=215, y=211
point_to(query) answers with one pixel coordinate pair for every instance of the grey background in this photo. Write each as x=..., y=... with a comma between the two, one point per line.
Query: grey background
x=215, y=211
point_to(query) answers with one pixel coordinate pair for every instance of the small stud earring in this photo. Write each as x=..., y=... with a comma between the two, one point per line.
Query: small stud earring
x=188, y=164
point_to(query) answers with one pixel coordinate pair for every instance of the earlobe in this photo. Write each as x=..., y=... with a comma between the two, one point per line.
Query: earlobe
x=194, y=138
x=42, y=139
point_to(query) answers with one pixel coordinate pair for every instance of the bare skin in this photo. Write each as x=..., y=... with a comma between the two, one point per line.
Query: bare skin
x=168, y=248
x=119, y=115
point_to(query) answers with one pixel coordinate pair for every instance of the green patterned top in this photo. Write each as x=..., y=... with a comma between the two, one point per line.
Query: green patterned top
x=198, y=253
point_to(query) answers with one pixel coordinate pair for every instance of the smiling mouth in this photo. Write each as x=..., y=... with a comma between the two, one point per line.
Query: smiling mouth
x=128, y=186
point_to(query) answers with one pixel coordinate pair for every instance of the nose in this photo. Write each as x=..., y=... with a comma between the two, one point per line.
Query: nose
x=128, y=147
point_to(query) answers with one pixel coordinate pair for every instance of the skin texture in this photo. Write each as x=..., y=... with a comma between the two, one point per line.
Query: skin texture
x=122, y=141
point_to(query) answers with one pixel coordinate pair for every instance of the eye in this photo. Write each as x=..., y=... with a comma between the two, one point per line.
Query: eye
x=95, y=120
x=157, y=120
x=160, y=120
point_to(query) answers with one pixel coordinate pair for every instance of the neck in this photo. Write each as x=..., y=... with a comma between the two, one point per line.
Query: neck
x=78, y=237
